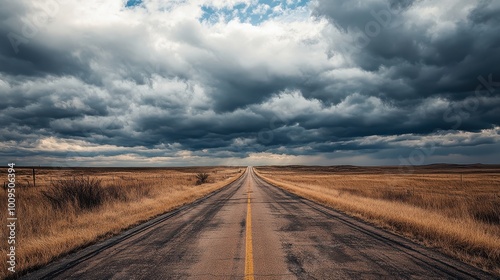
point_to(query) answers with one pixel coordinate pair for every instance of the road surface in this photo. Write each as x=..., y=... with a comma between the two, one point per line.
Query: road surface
x=252, y=230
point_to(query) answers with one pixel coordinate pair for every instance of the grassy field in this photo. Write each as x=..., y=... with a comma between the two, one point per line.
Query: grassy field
x=72, y=208
x=455, y=209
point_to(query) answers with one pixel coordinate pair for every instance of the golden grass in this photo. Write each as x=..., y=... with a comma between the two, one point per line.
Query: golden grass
x=45, y=232
x=454, y=210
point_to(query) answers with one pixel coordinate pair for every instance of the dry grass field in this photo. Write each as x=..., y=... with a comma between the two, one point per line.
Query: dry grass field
x=72, y=208
x=453, y=208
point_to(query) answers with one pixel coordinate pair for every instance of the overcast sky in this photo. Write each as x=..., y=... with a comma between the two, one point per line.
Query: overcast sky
x=248, y=82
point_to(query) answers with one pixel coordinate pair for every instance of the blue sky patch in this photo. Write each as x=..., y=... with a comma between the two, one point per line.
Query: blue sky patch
x=254, y=13
x=133, y=3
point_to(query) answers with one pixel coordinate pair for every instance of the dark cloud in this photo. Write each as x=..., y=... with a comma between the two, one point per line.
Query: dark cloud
x=367, y=81
x=431, y=56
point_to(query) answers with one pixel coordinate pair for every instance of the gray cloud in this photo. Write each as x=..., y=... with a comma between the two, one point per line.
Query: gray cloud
x=369, y=82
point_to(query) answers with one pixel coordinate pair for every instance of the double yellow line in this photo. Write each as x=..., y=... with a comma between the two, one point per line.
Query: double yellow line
x=248, y=240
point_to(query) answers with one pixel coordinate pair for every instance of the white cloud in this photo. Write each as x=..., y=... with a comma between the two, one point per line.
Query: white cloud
x=156, y=81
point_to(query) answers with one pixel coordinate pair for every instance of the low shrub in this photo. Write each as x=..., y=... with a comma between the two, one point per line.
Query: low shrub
x=78, y=192
x=201, y=178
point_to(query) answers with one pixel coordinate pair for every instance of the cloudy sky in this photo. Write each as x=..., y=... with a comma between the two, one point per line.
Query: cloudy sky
x=249, y=82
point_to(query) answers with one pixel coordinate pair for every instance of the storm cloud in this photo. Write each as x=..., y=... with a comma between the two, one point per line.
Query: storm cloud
x=249, y=82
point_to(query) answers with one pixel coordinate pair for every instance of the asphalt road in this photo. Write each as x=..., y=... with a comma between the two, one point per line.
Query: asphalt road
x=251, y=229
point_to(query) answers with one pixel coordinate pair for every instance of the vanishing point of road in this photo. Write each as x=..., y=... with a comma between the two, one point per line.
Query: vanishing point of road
x=253, y=230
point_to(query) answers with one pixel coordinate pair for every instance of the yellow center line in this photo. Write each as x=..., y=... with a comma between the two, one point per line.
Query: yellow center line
x=248, y=241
